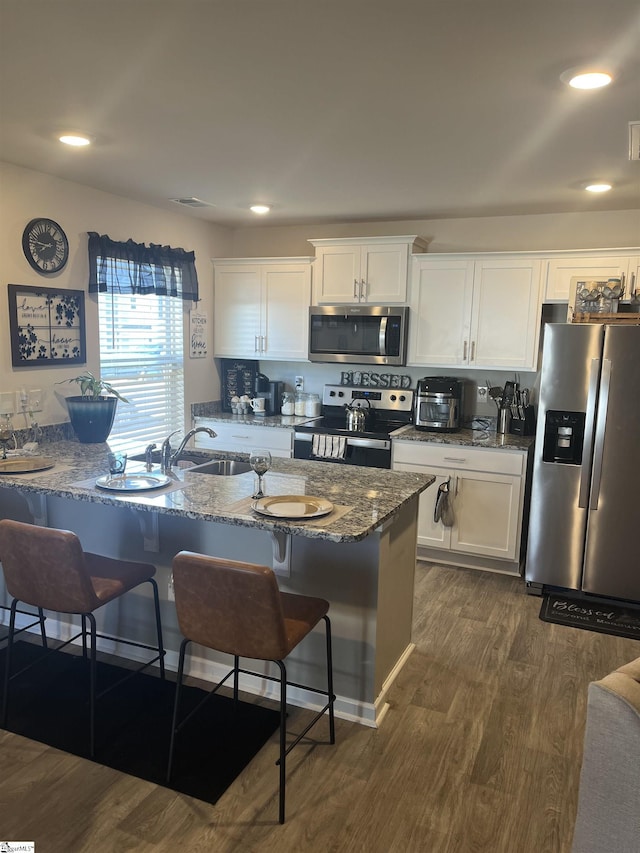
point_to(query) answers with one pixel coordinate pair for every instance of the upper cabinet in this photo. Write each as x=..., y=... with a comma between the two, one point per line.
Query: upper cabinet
x=599, y=265
x=363, y=269
x=261, y=308
x=475, y=311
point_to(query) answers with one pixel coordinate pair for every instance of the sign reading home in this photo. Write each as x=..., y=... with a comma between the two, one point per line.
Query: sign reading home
x=47, y=325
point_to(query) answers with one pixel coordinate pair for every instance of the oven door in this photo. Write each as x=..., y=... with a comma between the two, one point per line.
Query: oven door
x=366, y=452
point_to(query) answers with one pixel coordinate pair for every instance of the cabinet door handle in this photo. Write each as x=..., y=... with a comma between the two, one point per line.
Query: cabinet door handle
x=363, y=290
x=263, y=343
x=255, y=343
x=632, y=286
x=355, y=289
x=461, y=459
x=473, y=350
x=464, y=352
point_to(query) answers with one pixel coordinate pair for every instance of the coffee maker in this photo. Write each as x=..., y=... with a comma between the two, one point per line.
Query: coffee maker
x=274, y=398
x=271, y=391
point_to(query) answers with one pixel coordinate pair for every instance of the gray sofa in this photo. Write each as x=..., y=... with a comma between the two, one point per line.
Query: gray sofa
x=608, y=816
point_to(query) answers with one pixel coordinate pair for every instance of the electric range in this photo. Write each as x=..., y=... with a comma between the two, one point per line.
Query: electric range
x=329, y=439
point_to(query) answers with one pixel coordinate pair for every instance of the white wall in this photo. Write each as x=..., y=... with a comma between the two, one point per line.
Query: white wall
x=481, y=234
x=26, y=194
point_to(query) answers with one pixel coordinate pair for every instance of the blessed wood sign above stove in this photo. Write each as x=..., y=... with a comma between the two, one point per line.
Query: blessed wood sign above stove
x=374, y=380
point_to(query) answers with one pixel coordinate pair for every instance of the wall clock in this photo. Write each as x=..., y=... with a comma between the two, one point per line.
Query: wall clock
x=45, y=245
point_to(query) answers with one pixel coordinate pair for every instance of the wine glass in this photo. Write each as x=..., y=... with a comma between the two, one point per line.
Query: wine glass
x=260, y=461
x=6, y=434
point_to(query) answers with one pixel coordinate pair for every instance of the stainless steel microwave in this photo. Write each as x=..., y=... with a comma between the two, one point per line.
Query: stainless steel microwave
x=358, y=334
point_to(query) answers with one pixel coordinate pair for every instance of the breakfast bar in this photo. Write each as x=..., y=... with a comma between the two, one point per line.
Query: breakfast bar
x=359, y=555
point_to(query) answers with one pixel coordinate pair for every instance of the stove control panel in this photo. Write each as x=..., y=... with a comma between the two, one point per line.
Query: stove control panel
x=388, y=399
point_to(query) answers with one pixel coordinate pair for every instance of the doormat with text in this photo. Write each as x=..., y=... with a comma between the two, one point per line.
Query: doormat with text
x=49, y=703
x=591, y=615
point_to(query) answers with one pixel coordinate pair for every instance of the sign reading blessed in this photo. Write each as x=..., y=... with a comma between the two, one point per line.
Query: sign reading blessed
x=47, y=326
x=374, y=380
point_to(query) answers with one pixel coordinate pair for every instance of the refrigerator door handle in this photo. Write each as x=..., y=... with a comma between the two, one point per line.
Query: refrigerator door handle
x=600, y=429
x=590, y=419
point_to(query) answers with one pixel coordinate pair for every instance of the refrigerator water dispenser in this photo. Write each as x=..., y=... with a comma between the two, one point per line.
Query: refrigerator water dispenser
x=563, y=437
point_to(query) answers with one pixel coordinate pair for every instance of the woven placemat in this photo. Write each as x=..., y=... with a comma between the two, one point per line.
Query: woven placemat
x=243, y=507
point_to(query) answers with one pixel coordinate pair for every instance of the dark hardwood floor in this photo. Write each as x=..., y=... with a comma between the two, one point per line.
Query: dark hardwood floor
x=480, y=751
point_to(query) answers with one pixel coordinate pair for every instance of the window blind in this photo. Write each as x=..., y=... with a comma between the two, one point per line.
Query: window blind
x=142, y=355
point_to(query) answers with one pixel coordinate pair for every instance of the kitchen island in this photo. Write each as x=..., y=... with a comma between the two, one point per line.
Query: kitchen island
x=361, y=557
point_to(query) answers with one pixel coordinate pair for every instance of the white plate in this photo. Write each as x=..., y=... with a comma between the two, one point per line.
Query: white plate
x=292, y=506
x=132, y=482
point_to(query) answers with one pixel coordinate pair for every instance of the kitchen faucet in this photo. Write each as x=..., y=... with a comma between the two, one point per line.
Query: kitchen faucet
x=168, y=457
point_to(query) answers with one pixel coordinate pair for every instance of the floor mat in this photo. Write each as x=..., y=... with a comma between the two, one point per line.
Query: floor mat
x=49, y=703
x=578, y=612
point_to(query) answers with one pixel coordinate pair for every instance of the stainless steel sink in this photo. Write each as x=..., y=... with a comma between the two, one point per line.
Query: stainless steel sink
x=202, y=464
x=222, y=467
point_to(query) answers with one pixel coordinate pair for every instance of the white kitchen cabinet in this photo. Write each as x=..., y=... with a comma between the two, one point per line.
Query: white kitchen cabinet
x=486, y=490
x=561, y=272
x=242, y=438
x=261, y=308
x=475, y=311
x=357, y=269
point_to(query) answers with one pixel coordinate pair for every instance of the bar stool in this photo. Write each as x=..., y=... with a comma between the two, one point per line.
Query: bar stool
x=47, y=569
x=237, y=608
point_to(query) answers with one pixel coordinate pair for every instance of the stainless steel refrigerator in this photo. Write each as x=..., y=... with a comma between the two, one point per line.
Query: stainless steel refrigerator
x=584, y=526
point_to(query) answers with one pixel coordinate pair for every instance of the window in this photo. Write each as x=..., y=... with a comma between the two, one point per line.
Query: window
x=141, y=290
x=141, y=354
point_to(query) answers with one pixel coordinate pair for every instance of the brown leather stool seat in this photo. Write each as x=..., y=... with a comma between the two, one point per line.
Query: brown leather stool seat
x=48, y=569
x=237, y=608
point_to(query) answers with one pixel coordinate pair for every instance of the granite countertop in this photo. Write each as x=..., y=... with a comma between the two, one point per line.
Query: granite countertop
x=466, y=438
x=463, y=438
x=286, y=421
x=373, y=495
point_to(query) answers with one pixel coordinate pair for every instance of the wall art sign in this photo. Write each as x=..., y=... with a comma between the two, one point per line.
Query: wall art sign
x=197, y=334
x=47, y=326
x=371, y=379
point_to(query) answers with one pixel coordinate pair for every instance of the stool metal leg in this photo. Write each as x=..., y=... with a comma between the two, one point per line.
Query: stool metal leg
x=236, y=664
x=7, y=663
x=174, y=722
x=156, y=603
x=331, y=697
x=283, y=736
x=92, y=681
x=42, y=628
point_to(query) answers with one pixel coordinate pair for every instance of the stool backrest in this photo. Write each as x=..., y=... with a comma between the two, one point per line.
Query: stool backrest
x=229, y=606
x=45, y=567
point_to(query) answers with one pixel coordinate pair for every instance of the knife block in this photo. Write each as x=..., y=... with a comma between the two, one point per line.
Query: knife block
x=525, y=425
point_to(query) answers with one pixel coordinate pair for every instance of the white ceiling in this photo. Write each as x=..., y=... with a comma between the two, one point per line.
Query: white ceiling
x=330, y=110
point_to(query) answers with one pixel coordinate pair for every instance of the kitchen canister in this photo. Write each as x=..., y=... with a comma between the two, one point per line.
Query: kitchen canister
x=300, y=407
x=312, y=406
x=288, y=403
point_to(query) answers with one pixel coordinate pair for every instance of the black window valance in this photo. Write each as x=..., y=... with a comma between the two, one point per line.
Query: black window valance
x=128, y=267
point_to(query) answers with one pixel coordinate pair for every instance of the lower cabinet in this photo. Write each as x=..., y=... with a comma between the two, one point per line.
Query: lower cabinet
x=243, y=438
x=486, y=493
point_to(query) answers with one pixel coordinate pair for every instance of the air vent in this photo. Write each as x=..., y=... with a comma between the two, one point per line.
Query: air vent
x=634, y=140
x=192, y=202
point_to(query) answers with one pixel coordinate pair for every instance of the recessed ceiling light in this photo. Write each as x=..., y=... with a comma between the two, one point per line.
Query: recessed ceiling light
x=598, y=188
x=75, y=139
x=586, y=79
x=260, y=209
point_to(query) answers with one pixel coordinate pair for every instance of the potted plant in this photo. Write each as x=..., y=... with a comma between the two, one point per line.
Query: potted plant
x=92, y=412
